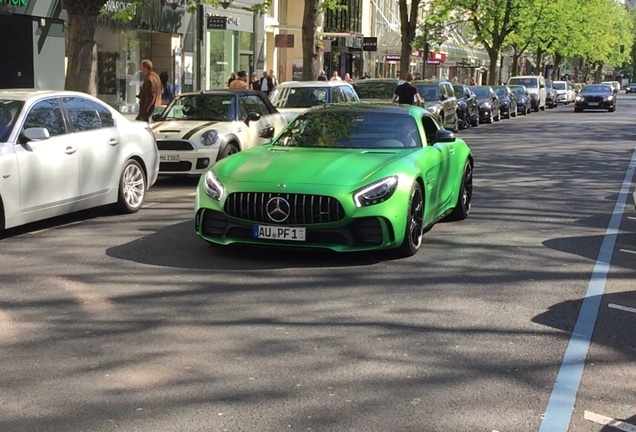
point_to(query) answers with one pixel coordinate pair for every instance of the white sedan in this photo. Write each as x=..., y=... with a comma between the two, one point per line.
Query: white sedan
x=197, y=129
x=61, y=152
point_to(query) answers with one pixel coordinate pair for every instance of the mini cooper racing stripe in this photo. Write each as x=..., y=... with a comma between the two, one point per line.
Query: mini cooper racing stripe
x=197, y=129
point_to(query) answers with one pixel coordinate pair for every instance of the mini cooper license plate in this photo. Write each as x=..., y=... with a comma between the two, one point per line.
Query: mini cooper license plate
x=169, y=158
x=279, y=233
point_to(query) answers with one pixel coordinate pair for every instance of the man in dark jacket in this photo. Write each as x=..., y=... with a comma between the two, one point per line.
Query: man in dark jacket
x=151, y=91
x=266, y=84
x=322, y=76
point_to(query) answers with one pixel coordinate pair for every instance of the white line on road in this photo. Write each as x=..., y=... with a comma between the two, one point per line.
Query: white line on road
x=608, y=421
x=630, y=217
x=623, y=308
x=628, y=251
x=561, y=403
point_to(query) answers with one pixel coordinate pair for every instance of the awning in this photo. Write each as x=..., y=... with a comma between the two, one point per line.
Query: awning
x=458, y=53
x=390, y=43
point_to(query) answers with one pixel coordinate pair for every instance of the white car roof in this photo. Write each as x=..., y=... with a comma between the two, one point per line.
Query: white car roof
x=313, y=84
x=26, y=94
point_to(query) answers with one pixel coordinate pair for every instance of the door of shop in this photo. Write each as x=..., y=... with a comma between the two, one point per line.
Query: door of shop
x=245, y=63
x=17, y=51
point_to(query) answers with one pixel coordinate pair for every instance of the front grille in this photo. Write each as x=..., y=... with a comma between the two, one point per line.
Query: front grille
x=175, y=145
x=175, y=166
x=303, y=209
x=594, y=98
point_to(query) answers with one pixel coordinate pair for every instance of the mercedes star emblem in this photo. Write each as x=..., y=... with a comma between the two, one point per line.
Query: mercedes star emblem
x=278, y=209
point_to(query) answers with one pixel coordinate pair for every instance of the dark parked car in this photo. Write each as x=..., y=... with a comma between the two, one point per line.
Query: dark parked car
x=488, y=104
x=467, y=106
x=439, y=98
x=631, y=88
x=596, y=96
x=507, y=101
x=524, y=104
x=550, y=95
x=375, y=89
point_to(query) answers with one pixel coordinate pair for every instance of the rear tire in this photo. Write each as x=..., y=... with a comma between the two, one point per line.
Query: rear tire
x=414, y=223
x=132, y=188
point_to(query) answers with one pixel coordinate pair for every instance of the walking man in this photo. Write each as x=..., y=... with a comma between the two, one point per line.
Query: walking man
x=266, y=84
x=151, y=92
x=405, y=93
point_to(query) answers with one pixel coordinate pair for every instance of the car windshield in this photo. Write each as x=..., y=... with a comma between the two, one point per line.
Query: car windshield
x=375, y=89
x=528, y=82
x=301, y=97
x=560, y=85
x=428, y=92
x=482, y=92
x=351, y=129
x=501, y=91
x=548, y=84
x=597, y=88
x=9, y=110
x=518, y=91
x=215, y=107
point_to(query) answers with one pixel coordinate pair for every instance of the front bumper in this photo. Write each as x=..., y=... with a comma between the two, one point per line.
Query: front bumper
x=485, y=114
x=594, y=105
x=182, y=158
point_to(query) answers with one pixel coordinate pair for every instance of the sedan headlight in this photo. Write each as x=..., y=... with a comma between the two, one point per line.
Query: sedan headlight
x=485, y=105
x=210, y=137
x=213, y=186
x=376, y=192
x=609, y=98
x=579, y=98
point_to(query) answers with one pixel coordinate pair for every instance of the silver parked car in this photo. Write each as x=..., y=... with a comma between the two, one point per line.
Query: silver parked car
x=61, y=152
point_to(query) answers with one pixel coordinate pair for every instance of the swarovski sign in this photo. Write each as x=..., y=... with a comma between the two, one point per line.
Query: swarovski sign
x=114, y=6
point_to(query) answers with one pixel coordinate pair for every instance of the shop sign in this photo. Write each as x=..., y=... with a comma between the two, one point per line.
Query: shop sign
x=113, y=6
x=217, y=23
x=370, y=44
x=433, y=62
x=354, y=42
x=15, y=2
x=284, y=41
x=394, y=58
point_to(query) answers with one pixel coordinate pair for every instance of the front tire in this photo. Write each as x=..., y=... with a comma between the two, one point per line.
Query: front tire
x=228, y=150
x=414, y=223
x=132, y=188
x=464, y=200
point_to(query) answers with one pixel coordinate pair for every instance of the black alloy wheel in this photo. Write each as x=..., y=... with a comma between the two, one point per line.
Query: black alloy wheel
x=414, y=223
x=464, y=200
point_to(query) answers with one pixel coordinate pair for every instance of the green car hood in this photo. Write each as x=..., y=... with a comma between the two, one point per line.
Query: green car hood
x=295, y=165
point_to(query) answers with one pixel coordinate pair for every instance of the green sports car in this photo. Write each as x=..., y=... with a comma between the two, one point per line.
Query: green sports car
x=348, y=177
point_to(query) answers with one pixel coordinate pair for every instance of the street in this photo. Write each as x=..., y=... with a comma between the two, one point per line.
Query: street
x=133, y=323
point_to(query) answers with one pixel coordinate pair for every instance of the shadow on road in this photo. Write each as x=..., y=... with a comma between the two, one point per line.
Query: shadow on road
x=630, y=421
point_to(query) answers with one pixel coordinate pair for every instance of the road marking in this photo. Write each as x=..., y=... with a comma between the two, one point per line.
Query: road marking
x=623, y=308
x=608, y=421
x=630, y=217
x=628, y=251
x=561, y=403
x=55, y=227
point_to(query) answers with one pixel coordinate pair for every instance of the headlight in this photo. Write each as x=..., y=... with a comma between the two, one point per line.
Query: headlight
x=486, y=105
x=376, y=192
x=213, y=187
x=210, y=137
x=522, y=100
x=609, y=98
x=579, y=98
x=628, y=88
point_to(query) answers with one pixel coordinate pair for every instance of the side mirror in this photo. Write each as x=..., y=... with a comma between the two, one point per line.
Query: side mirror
x=36, y=134
x=156, y=117
x=466, y=96
x=442, y=97
x=444, y=135
x=267, y=133
x=253, y=116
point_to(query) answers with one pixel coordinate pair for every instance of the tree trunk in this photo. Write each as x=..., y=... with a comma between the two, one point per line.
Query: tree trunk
x=557, y=62
x=311, y=61
x=515, y=63
x=408, y=21
x=539, y=60
x=405, y=59
x=81, y=74
x=493, y=54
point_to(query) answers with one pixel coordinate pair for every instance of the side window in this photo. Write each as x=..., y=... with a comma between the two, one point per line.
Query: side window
x=350, y=94
x=82, y=114
x=46, y=114
x=252, y=103
x=336, y=95
x=430, y=129
x=105, y=115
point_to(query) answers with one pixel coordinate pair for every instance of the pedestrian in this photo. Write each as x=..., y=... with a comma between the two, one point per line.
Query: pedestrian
x=347, y=78
x=151, y=90
x=254, y=82
x=273, y=77
x=406, y=94
x=471, y=81
x=232, y=78
x=168, y=93
x=322, y=76
x=335, y=77
x=266, y=85
x=240, y=83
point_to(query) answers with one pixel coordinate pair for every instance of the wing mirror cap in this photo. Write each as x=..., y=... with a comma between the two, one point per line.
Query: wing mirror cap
x=156, y=117
x=253, y=116
x=267, y=133
x=36, y=134
x=444, y=135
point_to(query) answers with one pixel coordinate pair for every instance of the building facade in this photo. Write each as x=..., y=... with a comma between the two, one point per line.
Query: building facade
x=33, y=44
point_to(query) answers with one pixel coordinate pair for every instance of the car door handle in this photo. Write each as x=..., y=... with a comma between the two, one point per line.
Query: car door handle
x=451, y=150
x=113, y=141
x=70, y=150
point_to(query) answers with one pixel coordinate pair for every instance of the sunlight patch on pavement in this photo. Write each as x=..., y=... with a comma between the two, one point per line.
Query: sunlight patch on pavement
x=623, y=308
x=608, y=421
x=89, y=300
x=8, y=327
x=141, y=376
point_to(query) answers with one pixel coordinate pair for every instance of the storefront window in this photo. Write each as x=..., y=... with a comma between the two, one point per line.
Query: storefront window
x=222, y=57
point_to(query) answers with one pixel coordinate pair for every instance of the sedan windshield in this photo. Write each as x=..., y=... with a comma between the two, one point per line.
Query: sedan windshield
x=374, y=89
x=518, y=91
x=9, y=110
x=482, y=92
x=528, y=82
x=597, y=88
x=501, y=91
x=215, y=107
x=559, y=85
x=332, y=128
x=428, y=92
x=301, y=97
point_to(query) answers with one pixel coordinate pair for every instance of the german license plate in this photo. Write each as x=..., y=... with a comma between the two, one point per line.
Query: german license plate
x=279, y=233
x=593, y=103
x=169, y=158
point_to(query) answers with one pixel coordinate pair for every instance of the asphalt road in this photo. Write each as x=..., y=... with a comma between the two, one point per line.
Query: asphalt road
x=131, y=323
